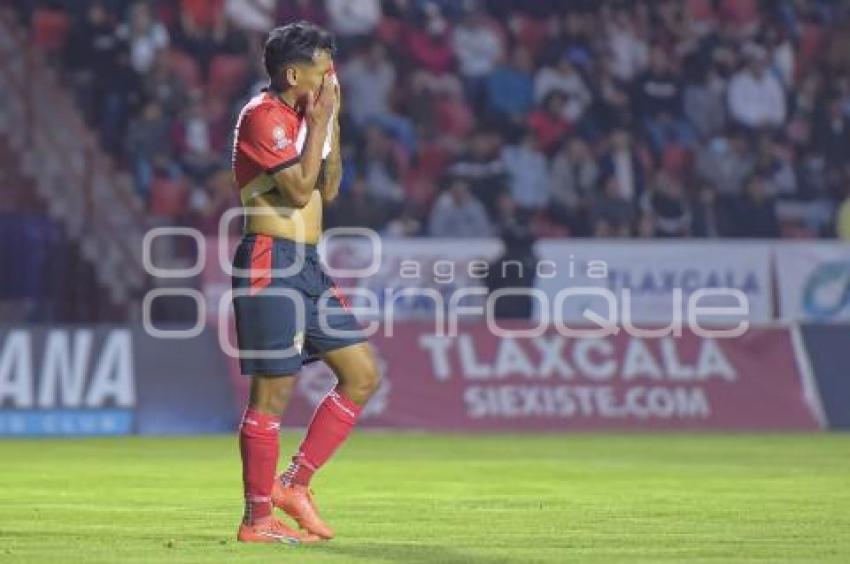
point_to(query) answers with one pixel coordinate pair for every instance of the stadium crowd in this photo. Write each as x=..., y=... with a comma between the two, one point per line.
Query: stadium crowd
x=676, y=118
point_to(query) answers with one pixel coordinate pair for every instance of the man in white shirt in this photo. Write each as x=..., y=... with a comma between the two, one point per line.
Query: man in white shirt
x=457, y=213
x=756, y=98
x=477, y=46
x=350, y=18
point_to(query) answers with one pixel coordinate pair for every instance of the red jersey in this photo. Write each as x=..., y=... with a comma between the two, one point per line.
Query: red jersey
x=267, y=138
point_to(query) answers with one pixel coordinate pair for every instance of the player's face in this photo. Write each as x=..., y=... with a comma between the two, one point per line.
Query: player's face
x=312, y=75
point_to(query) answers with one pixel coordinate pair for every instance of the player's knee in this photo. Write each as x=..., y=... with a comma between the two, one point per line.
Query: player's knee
x=271, y=395
x=371, y=380
x=365, y=381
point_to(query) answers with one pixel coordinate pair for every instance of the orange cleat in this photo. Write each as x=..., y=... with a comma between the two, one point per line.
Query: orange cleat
x=271, y=529
x=297, y=502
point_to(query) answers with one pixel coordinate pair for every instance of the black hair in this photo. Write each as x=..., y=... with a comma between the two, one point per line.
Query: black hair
x=294, y=43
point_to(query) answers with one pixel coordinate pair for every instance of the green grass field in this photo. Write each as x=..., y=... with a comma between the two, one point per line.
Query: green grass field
x=442, y=498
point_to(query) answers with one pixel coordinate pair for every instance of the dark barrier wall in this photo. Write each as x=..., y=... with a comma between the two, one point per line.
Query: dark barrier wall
x=108, y=380
x=827, y=346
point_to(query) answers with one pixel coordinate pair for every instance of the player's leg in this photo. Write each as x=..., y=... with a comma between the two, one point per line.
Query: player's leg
x=358, y=378
x=356, y=369
x=260, y=448
x=259, y=441
x=266, y=325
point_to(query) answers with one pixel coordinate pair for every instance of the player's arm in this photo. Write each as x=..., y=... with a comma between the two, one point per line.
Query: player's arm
x=297, y=181
x=331, y=173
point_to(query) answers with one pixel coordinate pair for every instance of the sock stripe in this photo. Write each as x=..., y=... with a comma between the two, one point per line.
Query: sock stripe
x=337, y=400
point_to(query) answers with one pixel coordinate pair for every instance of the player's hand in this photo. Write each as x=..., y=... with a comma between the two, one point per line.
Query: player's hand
x=319, y=108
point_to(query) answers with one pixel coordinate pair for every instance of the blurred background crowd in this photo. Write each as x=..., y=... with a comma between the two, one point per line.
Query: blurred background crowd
x=677, y=118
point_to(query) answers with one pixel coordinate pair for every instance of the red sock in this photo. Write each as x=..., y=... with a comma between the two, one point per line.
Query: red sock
x=332, y=422
x=258, y=442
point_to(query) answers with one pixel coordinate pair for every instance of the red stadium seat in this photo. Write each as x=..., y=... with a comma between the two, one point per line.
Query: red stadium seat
x=532, y=33
x=740, y=13
x=544, y=227
x=50, y=29
x=701, y=10
x=676, y=160
x=432, y=159
x=186, y=67
x=227, y=75
x=419, y=190
x=390, y=31
x=454, y=116
x=204, y=13
x=168, y=197
x=811, y=43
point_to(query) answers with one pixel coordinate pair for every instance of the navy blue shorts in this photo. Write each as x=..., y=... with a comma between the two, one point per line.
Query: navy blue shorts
x=278, y=321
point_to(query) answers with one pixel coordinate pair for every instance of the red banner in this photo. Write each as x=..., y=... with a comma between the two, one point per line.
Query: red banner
x=478, y=381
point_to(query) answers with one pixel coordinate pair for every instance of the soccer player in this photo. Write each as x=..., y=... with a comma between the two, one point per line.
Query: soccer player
x=284, y=181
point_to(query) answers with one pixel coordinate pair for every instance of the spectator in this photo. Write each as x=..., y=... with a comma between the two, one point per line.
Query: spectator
x=120, y=98
x=446, y=107
x=383, y=169
x=202, y=13
x=208, y=202
x=725, y=162
x=510, y=87
x=774, y=162
x=572, y=184
x=754, y=214
x=225, y=39
x=145, y=36
x=623, y=163
x=667, y=208
x=198, y=144
x=782, y=56
x=407, y=224
x=831, y=133
x=253, y=16
x=165, y=87
x=563, y=78
x=295, y=10
x=611, y=214
x=612, y=104
x=658, y=98
x=756, y=98
x=478, y=49
x=356, y=208
x=367, y=82
x=482, y=167
x=814, y=175
x=353, y=19
x=430, y=48
x=91, y=53
x=705, y=102
x=629, y=51
x=203, y=43
x=548, y=123
x=148, y=142
x=528, y=174
x=457, y=213
x=572, y=35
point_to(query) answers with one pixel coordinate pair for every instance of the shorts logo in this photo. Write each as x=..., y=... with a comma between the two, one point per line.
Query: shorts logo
x=280, y=140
